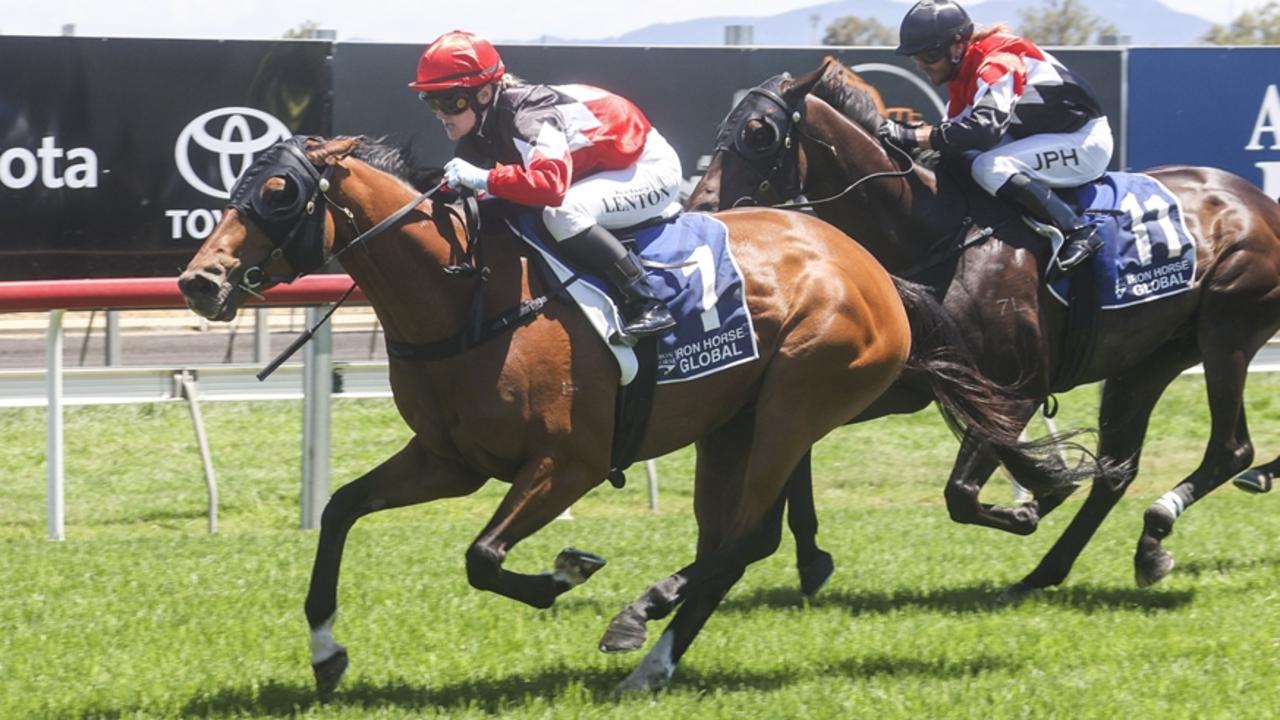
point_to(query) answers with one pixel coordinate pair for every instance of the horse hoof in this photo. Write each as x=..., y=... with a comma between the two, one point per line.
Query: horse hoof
x=1016, y=593
x=816, y=573
x=1025, y=519
x=1254, y=481
x=576, y=566
x=625, y=633
x=1151, y=563
x=329, y=673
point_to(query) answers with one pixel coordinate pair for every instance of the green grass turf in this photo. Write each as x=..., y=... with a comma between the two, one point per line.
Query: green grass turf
x=141, y=614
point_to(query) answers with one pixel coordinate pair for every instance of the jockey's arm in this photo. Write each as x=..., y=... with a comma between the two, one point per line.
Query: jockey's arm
x=546, y=171
x=985, y=124
x=540, y=182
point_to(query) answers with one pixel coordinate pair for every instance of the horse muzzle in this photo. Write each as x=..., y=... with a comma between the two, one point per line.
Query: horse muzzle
x=210, y=293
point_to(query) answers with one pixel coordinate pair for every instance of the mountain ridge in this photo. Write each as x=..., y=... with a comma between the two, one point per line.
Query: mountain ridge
x=1145, y=22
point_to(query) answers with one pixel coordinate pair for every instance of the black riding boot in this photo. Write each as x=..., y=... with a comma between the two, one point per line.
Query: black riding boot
x=596, y=250
x=1081, y=238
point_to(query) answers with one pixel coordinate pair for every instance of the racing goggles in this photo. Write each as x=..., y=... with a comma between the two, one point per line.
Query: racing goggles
x=932, y=55
x=451, y=102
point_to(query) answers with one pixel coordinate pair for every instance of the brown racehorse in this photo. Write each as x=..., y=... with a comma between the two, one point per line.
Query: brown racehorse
x=816, y=135
x=533, y=405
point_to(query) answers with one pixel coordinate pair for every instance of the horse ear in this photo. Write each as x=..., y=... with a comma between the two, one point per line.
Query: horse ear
x=803, y=84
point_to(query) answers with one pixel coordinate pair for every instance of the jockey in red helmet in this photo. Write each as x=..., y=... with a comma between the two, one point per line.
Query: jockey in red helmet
x=588, y=158
x=1032, y=123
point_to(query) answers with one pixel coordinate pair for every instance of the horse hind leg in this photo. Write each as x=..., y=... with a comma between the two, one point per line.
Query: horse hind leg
x=739, y=523
x=1127, y=402
x=1223, y=458
x=1229, y=450
x=814, y=564
x=739, y=510
x=1238, y=315
x=407, y=478
x=721, y=464
x=659, y=665
x=705, y=585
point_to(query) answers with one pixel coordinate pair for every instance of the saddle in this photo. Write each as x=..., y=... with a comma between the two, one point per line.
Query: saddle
x=691, y=268
x=1147, y=253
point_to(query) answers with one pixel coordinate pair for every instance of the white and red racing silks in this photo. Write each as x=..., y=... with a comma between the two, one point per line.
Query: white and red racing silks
x=540, y=139
x=1006, y=84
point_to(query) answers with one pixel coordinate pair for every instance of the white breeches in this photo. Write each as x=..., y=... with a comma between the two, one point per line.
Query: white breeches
x=645, y=191
x=1058, y=160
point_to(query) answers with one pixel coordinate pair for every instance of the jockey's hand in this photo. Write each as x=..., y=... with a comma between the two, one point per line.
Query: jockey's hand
x=459, y=173
x=898, y=134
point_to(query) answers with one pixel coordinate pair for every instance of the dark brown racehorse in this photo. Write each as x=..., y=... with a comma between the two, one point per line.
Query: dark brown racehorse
x=532, y=404
x=816, y=135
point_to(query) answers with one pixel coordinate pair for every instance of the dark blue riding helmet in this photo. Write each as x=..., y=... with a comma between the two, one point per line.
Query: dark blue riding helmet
x=933, y=25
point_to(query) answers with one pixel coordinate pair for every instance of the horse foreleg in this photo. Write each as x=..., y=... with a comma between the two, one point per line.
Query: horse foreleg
x=406, y=478
x=543, y=489
x=814, y=564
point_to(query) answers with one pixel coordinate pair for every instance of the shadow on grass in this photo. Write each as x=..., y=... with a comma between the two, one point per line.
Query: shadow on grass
x=157, y=515
x=498, y=695
x=974, y=599
x=1216, y=566
x=856, y=668
x=490, y=695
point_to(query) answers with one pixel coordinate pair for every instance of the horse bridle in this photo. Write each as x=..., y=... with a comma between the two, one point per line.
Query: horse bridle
x=296, y=228
x=296, y=231
x=765, y=104
x=784, y=152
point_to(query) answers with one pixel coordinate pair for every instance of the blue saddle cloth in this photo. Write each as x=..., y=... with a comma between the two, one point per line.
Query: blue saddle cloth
x=1147, y=252
x=691, y=267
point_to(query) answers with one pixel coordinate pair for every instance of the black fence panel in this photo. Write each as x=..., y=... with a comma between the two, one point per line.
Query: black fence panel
x=116, y=155
x=685, y=91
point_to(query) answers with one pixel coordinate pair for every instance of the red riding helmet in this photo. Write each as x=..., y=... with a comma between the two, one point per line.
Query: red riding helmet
x=458, y=59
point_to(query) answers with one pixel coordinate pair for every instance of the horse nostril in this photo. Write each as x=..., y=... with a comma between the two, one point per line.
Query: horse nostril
x=197, y=285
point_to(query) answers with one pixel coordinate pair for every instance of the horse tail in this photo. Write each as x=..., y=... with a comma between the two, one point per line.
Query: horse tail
x=971, y=402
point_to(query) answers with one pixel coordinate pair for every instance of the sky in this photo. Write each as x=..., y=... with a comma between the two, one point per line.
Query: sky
x=412, y=21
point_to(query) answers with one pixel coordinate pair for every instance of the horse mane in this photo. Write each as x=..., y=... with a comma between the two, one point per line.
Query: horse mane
x=377, y=153
x=846, y=91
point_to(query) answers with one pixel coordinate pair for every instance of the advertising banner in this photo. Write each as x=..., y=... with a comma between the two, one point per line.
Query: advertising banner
x=1218, y=107
x=685, y=91
x=116, y=156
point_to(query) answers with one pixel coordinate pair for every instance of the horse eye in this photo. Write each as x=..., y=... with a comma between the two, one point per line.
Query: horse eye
x=280, y=193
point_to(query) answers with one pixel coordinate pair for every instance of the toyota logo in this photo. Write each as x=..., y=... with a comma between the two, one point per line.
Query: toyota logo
x=230, y=136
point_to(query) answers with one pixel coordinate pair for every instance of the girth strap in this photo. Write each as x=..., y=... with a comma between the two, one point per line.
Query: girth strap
x=468, y=338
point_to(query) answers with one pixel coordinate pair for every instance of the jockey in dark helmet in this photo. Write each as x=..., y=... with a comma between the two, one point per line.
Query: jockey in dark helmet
x=588, y=158
x=1032, y=124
